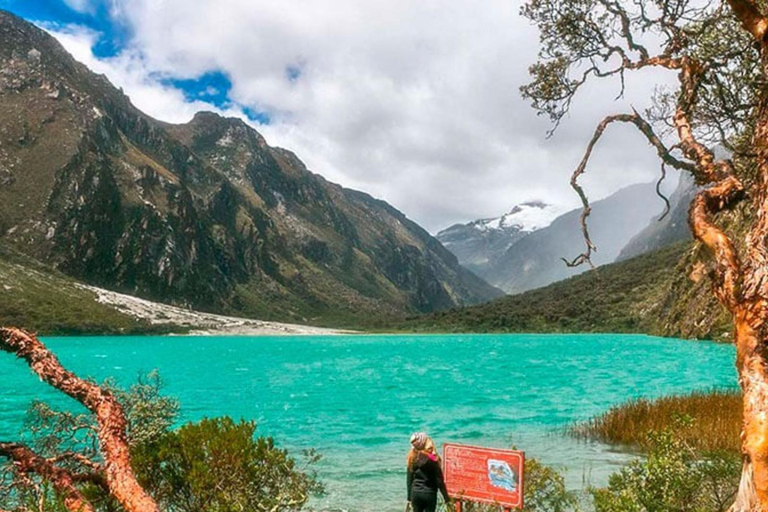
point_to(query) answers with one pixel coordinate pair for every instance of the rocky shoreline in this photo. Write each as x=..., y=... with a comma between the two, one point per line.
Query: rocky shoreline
x=197, y=323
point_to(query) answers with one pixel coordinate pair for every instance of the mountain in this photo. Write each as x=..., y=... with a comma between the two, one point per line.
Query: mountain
x=45, y=301
x=535, y=259
x=204, y=214
x=671, y=229
x=478, y=243
x=651, y=293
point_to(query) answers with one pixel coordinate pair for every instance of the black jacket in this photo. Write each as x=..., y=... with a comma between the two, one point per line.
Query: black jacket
x=425, y=476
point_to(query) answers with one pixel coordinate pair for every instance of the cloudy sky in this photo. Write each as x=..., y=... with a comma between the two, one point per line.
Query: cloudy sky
x=414, y=102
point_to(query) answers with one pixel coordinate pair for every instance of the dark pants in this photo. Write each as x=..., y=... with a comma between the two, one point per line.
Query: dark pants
x=424, y=502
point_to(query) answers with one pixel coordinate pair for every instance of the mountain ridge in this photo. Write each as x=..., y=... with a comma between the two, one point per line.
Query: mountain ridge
x=476, y=243
x=651, y=293
x=202, y=214
x=531, y=259
x=670, y=228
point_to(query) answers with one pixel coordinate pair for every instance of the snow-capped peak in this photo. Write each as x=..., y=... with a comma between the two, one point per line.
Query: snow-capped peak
x=529, y=216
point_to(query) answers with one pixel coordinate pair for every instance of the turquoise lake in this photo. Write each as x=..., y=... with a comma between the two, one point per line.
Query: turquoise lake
x=356, y=399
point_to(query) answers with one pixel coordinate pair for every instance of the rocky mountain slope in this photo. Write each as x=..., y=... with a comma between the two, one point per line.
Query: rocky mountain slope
x=535, y=259
x=479, y=243
x=652, y=293
x=42, y=300
x=663, y=290
x=205, y=214
x=47, y=302
x=671, y=229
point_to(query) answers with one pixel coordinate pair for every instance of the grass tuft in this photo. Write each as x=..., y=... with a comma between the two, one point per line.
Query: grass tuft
x=712, y=421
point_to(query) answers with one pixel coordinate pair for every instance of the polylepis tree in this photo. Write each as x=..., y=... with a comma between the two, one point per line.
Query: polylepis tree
x=114, y=473
x=719, y=53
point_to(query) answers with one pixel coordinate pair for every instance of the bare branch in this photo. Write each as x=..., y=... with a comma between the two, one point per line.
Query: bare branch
x=27, y=461
x=706, y=204
x=79, y=458
x=658, y=191
x=663, y=152
x=109, y=414
x=626, y=32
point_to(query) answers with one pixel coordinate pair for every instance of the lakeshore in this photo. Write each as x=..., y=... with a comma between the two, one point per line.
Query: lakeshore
x=357, y=398
x=197, y=323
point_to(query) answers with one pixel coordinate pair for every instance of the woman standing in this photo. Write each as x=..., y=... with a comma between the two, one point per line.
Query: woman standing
x=425, y=476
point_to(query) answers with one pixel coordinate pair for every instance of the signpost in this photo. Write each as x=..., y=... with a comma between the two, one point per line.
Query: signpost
x=484, y=475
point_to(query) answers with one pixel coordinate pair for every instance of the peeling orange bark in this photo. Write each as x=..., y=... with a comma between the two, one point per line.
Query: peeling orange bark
x=27, y=461
x=110, y=418
x=751, y=364
x=740, y=273
x=750, y=17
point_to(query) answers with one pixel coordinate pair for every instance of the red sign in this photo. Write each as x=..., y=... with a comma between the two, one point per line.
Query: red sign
x=484, y=475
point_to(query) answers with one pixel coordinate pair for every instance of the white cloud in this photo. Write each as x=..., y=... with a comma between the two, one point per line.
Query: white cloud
x=413, y=102
x=129, y=71
x=83, y=6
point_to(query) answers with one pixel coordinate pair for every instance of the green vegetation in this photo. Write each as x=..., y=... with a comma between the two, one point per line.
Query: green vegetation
x=621, y=297
x=218, y=465
x=651, y=294
x=39, y=299
x=692, y=457
x=544, y=491
x=713, y=421
x=215, y=465
x=691, y=461
x=674, y=476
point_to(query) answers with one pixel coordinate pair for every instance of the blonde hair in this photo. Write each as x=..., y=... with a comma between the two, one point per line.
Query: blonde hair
x=429, y=447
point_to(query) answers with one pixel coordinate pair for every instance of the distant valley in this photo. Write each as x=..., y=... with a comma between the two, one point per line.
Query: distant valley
x=523, y=249
x=204, y=215
x=208, y=216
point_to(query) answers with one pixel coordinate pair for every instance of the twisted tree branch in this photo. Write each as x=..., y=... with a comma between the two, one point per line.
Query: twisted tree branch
x=27, y=461
x=664, y=153
x=112, y=424
x=706, y=204
x=727, y=189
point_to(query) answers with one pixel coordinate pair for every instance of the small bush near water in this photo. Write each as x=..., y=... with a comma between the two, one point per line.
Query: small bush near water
x=215, y=465
x=218, y=465
x=672, y=477
x=714, y=418
x=544, y=491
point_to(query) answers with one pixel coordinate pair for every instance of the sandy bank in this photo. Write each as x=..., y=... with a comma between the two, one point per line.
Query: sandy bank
x=200, y=323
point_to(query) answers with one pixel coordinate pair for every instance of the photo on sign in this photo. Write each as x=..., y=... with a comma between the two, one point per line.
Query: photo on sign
x=501, y=475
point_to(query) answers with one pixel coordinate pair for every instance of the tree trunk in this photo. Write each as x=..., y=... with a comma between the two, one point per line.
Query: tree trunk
x=752, y=365
x=112, y=425
x=26, y=461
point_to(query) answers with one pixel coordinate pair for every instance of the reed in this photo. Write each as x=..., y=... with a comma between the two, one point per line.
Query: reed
x=708, y=421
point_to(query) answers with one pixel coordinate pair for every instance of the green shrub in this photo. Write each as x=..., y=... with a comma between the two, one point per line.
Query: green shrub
x=543, y=491
x=673, y=477
x=217, y=465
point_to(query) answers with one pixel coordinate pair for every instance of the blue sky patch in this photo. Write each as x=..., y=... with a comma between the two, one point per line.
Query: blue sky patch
x=257, y=116
x=293, y=73
x=213, y=87
x=114, y=35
